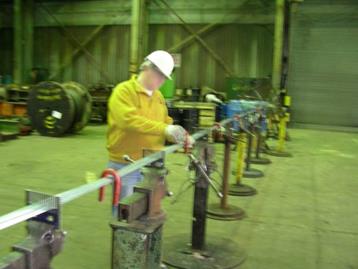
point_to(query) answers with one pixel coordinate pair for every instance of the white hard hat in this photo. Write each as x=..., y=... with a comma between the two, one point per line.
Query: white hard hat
x=163, y=61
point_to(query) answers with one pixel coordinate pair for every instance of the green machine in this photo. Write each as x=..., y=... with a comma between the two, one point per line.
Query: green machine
x=243, y=88
x=168, y=88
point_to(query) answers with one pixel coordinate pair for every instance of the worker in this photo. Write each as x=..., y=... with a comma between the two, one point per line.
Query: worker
x=138, y=118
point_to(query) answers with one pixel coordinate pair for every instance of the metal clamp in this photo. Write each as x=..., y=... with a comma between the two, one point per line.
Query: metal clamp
x=116, y=188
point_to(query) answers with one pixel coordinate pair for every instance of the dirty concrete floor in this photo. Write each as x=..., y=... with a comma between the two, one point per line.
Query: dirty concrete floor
x=304, y=215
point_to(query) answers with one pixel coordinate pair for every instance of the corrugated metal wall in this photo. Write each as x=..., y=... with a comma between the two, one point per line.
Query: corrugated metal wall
x=110, y=50
x=6, y=51
x=243, y=38
x=246, y=48
x=323, y=74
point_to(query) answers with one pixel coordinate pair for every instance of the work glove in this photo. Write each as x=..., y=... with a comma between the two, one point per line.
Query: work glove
x=190, y=142
x=175, y=134
x=213, y=99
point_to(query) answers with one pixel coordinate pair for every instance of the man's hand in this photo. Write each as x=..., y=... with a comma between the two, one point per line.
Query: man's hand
x=190, y=142
x=175, y=133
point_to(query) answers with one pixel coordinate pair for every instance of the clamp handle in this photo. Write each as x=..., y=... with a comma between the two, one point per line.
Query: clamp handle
x=116, y=188
x=200, y=167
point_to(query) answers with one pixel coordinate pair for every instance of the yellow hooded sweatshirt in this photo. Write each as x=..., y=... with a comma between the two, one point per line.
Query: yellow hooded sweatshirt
x=136, y=121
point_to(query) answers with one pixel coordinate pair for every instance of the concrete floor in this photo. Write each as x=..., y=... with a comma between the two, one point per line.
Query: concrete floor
x=304, y=215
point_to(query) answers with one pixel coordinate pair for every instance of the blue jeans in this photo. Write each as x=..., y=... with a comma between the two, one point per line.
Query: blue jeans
x=128, y=181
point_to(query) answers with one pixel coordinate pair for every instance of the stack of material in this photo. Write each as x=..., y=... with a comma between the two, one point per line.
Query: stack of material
x=13, y=100
x=100, y=94
x=9, y=129
x=206, y=111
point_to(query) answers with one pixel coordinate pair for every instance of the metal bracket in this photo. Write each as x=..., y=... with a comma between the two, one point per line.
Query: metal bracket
x=158, y=163
x=51, y=217
x=44, y=239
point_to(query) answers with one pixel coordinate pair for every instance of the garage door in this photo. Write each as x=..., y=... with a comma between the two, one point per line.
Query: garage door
x=323, y=72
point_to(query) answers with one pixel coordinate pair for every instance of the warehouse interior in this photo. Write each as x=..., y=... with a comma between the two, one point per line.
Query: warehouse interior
x=267, y=89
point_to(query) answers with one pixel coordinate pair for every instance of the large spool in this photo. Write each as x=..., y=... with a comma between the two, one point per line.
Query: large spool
x=56, y=109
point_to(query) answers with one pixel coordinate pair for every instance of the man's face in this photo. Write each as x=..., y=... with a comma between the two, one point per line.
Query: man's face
x=154, y=79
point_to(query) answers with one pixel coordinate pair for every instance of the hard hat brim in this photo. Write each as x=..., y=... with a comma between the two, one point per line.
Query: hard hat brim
x=160, y=71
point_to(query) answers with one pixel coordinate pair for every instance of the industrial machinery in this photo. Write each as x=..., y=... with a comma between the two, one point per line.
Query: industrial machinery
x=202, y=251
x=138, y=219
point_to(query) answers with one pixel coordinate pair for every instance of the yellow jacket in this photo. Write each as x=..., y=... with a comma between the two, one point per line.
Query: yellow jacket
x=136, y=121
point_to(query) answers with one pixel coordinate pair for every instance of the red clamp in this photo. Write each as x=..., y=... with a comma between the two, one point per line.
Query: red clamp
x=116, y=186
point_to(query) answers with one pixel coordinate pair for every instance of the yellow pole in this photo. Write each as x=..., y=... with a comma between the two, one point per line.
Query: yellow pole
x=241, y=149
x=282, y=133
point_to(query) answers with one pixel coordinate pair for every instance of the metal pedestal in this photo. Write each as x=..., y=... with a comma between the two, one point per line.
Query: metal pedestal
x=203, y=252
x=241, y=190
x=248, y=171
x=136, y=245
x=223, y=210
x=258, y=159
x=277, y=153
x=219, y=252
x=238, y=188
x=252, y=173
x=231, y=212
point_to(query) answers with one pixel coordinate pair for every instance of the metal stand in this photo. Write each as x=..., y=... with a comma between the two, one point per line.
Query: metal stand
x=251, y=172
x=280, y=151
x=224, y=211
x=238, y=188
x=202, y=252
x=258, y=159
x=277, y=153
x=139, y=214
x=44, y=241
x=136, y=245
x=137, y=234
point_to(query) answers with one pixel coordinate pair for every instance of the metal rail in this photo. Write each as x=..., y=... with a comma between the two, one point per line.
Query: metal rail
x=43, y=206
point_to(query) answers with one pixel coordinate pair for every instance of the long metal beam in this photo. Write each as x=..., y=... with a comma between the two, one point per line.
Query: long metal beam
x=38, y=208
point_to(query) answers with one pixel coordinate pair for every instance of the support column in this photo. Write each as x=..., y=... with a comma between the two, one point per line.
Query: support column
x=28, y=38
x=18, y=42
x=278, y=45
x=139, y=36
